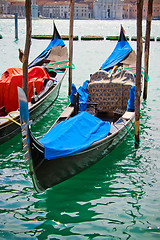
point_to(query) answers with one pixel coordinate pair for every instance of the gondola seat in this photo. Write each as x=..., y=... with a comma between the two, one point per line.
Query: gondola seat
x=129, y=76
x=99, y=75
x=125, y=94
x=109, y=95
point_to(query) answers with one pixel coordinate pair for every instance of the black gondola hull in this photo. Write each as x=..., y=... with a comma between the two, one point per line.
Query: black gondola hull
x=47, y=173
x=108, y=92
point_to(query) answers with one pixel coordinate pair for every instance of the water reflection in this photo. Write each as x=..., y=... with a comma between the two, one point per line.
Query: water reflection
x=106, y=196
x=105, y=201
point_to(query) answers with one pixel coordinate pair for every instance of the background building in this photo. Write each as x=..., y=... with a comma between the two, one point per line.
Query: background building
x=130, y=9
x=108, y=9
x=61, y=9
x=84, y=9
x=3, y=6
x=34, y=9
x=16, y=7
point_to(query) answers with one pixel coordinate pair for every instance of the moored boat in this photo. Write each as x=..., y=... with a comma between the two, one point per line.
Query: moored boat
x=100, y=115
x=45, y=75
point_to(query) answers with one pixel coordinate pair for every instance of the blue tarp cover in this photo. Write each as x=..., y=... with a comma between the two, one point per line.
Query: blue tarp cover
x=83, y=95
x=120, y=52
x=74, y=135
x=46, y=52
x=131, y=104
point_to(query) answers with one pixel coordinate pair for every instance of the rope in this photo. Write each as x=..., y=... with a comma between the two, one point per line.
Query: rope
x=11, y=119
x=62, y=68
x=110, y=73
x=72, y=67
x=131, y=134
x=146, y=78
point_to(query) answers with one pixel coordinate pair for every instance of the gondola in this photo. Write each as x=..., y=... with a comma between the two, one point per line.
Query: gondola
x=100, y=115
x=45, y=75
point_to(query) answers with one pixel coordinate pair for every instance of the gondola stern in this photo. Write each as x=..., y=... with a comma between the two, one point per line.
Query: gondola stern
x=122, y=36
x=55, y=32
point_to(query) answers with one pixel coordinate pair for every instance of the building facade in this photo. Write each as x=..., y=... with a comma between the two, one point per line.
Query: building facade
x=3, y=6
x=130, y=9
x=16, y=7
x=61, y=9
x=34, y=9
x=108, y=9
x=83, y=9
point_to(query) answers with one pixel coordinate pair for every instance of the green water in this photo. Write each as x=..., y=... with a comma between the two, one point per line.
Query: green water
x=117, y=198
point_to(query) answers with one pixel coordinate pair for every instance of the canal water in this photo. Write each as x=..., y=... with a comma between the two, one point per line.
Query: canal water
x=117, y=198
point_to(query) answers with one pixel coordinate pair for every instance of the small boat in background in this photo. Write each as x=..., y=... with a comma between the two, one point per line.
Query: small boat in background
x=100, y=115
x=45, y=75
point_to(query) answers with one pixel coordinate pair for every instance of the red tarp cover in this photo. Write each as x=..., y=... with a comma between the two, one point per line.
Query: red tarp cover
x=13, y=78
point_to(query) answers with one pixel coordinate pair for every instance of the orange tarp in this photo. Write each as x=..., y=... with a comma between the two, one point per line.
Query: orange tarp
x=13, y=78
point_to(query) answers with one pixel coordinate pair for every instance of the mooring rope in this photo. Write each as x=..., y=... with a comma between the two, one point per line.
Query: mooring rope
x=132, y=134
x=146, y=78
x=67, y=66
x=11, y=119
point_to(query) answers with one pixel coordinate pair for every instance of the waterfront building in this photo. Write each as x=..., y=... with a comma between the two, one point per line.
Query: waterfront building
x=84, y=9
x=18, y=7
x=34, y=9
x=130, y=9
x=108, y=9
x=61, y=9
x=3, y=6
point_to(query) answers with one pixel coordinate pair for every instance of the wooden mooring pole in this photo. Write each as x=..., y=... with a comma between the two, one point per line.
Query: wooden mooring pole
x=138, y=69
x=71, y=44
x=27, y=46
x=16, y=26
x=147, y=45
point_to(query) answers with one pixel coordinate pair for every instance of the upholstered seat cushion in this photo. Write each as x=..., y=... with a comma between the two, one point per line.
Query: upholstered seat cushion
x=99, y=75
x=108, y=95
x=110, y=92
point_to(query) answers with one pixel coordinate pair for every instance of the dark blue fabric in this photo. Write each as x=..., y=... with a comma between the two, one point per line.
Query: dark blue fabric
x=74, y=135
x=83, y=95
x=131, y=104
x=120, y=52
x=46, y=52
x=73, y=91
